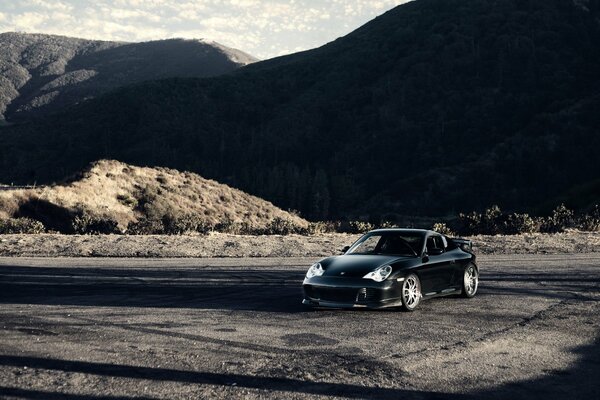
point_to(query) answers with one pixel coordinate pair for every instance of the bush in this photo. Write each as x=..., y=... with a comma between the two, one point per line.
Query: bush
x=177, y=225
x=355, y=227
x=227, y=225
x=21, y=225
x=127, y=200
x=590, y=221
x=520, y=223
x=561, y=219
x=469, y=224
x=442, y=228
x=85, y=223
x=490, y=222
x=319, y=227
x=145, y=226
x=280, y=226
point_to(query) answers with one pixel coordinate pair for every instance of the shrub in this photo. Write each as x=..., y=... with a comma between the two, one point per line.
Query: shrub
x=515, y=224
x=318, y=227
x=280, y=226
x=561, y=219
x=469, y=224
x=356, y=227
x=590, y=221
x=177, y=225
x=227, y=225
x=21, y=225
x=127, y=200
x=442, y=228
x=489, y=223
x=145, y=226
x=85, y=223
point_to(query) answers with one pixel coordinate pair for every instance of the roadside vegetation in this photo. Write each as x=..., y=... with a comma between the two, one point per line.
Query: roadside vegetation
x=111, y=197
x=433, y=107
x=490, y=222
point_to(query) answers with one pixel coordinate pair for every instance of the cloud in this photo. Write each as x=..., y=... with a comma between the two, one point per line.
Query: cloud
x=49, y=5
x=122, y=13
x=263, y=28
x=28, y=21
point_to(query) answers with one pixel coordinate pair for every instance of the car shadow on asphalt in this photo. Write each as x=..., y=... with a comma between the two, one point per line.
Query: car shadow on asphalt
x=262, y=289
x=257, y=290
x=548, y=285
x=579, y=381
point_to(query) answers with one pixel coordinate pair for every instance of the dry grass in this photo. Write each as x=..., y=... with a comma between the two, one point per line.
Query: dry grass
x=125, y=193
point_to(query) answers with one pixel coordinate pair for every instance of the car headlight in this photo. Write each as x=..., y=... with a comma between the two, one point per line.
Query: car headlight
x=315, y=270
x=380, y=274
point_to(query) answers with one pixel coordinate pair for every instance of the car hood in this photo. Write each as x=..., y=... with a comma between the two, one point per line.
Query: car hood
x=356, y=265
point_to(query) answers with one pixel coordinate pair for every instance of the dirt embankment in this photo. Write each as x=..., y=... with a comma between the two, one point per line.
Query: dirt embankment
x=110, y=190
x=225, y=245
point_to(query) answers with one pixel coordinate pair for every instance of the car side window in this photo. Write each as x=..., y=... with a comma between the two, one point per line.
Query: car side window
x=434, y=242
x=430, y=244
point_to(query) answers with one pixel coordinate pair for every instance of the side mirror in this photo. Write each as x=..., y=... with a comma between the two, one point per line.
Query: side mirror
x=435, y=252
x=345, y=249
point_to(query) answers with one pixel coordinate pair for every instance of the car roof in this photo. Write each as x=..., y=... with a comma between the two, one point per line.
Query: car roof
x=406, y=230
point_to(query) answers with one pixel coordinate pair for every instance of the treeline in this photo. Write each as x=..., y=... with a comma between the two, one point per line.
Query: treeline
x=490, y=222
x=432, y=108
x=495, y=222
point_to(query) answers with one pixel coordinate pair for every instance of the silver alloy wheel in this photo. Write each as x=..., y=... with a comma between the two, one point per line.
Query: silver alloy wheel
x=471, y=280
x=411, y=292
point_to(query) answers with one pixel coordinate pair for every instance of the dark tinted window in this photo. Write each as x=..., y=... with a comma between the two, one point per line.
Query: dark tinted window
x=435, y=242
x=388, y=243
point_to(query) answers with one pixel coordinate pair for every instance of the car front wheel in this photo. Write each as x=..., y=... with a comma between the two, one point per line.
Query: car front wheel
x=411, y=292
x=470, y=281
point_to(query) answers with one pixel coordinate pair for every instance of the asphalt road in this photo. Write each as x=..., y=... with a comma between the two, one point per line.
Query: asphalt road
x=235, y=328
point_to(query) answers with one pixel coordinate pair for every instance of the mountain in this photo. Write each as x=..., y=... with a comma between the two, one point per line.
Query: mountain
x=435, y=107
x=123, y=193
x=44, y=73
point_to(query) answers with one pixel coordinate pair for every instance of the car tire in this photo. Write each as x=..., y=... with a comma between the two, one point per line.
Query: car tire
x=411, y=292
x=470, y=281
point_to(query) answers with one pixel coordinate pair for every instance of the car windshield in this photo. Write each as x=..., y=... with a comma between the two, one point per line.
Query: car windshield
x=388, y=243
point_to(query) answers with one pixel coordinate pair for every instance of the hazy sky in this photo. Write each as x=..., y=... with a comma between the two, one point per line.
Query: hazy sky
x=263, y=28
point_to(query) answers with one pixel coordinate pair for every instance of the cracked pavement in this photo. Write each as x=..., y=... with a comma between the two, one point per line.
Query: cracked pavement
x=73, y=328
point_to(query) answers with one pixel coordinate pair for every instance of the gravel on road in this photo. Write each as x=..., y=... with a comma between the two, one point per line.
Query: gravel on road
x=108, y=328
x=225, y=245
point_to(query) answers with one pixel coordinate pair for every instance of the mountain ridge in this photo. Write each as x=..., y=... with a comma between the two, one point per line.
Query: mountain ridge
x=434, y=107
x=42, y=74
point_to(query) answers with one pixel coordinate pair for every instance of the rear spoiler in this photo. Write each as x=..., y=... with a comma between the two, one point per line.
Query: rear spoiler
x=464, y=244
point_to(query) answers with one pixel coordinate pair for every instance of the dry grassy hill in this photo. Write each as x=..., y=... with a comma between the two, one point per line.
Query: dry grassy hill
x=114, y=191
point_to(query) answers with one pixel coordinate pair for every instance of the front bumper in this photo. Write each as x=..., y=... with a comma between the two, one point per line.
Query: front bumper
x=336, y=292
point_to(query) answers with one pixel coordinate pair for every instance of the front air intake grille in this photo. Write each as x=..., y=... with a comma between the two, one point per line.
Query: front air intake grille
x=342, y=295
x=366, y=295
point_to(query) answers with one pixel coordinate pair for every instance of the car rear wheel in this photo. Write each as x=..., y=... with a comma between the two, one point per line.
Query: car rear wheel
x=411, y=292
x=470, y=281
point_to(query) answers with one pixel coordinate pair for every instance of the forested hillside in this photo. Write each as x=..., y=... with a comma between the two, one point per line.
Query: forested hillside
x=40, y=74
x=435, y=107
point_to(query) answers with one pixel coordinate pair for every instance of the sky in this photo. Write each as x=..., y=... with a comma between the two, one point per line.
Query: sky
x=262, y=28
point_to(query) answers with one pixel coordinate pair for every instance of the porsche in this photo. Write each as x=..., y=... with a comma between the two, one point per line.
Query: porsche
x=393, y=268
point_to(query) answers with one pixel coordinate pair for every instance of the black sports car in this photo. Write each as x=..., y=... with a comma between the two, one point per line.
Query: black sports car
x=393, y=267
